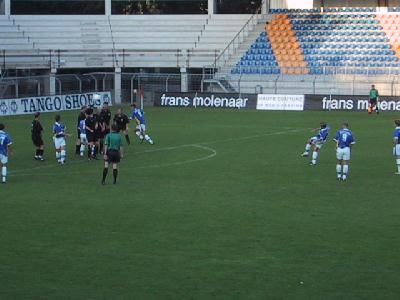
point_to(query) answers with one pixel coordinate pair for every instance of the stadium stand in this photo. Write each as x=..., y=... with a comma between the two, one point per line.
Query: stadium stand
x=355, y=41
x=109, y=41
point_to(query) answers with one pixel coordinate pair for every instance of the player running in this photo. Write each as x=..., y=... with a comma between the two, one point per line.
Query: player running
x=138, y=116
x=59, y=140
x=344, y=141
x=5, y=150
x=316, y=142
x=373, y=100
x=122, y=121
x=37, y=139
x=113, y=153
x=396, y=146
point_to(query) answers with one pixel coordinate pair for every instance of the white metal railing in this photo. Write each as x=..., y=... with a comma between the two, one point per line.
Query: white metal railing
x=56, y=58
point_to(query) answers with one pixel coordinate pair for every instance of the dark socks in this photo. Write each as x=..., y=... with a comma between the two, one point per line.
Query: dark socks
x=37, y=152
x=115, y=175
x=77, y=149
x=41, y=152
x=105, y=171
x=101, y=145
x=128, y=140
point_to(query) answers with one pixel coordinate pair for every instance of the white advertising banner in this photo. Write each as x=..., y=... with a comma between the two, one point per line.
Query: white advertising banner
x=280, y=102
x=30, y=105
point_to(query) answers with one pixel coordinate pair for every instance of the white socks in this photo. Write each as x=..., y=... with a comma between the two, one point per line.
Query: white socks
x=308, y=147
x=148, y=139
x=339, y=171
x=345, y=172
x=82, y=149
x=314, y=157
x=63, y=155
x=58, y=156
x=4, y=173
x=398, y=165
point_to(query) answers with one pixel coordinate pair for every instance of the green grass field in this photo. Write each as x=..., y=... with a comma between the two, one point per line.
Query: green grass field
x=221, y=207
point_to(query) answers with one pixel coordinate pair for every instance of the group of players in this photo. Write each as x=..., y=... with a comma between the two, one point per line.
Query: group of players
x=344, y=140
x=95, y=135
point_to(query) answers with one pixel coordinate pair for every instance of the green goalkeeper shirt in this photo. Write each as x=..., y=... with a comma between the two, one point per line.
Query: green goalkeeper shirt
x=113, y=141
x=373, y=93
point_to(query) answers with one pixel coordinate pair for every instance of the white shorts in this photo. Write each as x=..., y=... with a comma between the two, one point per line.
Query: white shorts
x=59, y=142
x=316, y=142
x=142, y=127
x=83, y=138
x=396, y=150
x=343, y=153
x=3, y=159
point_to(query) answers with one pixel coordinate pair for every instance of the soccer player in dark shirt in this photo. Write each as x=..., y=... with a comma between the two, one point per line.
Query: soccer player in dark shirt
x=100, y=131
x=105, y=115
x=122, y=121
x=81, y=116
x=37, y=139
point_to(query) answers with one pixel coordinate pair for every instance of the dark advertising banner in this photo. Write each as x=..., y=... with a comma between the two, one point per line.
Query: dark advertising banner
x=353, y=103
x=206, y=100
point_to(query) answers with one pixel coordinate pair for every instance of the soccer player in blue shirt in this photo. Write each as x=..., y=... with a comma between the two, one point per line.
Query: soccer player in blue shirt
x=344, y=141
x=59, y=140
x=138, y=116
x=396, y=146
x=82, y=137
x=5, y=150
x=316, y=142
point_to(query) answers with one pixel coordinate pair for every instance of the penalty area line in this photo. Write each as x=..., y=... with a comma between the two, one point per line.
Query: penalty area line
x=200, y=145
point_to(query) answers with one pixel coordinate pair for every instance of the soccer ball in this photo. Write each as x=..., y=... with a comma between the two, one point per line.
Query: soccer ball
x=96, y=97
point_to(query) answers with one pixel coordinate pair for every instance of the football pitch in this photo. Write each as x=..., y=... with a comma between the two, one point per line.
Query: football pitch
x=221, y=207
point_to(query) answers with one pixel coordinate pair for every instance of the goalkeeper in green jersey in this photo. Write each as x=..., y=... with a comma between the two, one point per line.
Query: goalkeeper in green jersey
x=373, y=100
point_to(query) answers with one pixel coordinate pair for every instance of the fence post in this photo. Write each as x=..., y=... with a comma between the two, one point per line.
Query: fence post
x=184, y=80
x=117, y=86
x=4, y=59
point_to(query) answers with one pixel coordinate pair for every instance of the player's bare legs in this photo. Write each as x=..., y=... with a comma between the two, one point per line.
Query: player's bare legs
x=126, y=134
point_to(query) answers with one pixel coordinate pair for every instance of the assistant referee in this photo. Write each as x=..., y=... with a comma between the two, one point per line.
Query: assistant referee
x=112, y=153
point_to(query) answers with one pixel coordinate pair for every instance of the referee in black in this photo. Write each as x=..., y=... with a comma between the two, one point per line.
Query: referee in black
x=37, y=139
x=122, y=121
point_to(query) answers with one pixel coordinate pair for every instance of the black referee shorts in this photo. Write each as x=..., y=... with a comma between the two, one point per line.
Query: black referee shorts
x=91, y=137
x=113, y=156
x=37, y=141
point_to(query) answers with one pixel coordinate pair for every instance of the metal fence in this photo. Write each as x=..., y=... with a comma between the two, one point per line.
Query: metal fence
x=135, y=86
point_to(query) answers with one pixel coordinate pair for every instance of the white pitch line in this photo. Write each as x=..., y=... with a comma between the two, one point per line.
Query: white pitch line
x=212, y=154
x=198, y=145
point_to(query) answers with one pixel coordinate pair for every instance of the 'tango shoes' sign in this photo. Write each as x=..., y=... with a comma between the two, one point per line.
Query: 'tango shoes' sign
x=207, y=100
x=22, y=106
